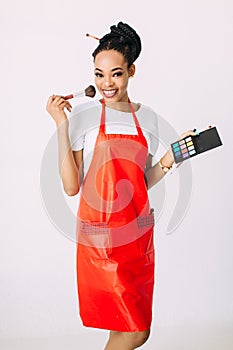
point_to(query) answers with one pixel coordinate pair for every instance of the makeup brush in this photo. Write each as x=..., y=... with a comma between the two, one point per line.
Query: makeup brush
x=89, y=91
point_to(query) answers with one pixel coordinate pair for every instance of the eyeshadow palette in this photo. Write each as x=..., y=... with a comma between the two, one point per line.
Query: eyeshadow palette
x=190, y=146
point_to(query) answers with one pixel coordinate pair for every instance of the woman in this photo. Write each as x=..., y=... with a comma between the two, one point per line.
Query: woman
x=115, y=251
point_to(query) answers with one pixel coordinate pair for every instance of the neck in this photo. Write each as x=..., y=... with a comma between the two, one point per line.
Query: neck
x=122, y=105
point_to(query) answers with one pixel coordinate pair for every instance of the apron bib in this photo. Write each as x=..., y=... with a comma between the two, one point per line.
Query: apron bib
x=115, y=250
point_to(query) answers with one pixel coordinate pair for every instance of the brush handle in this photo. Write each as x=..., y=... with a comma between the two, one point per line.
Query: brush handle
x=68, y=97
x=75, y=95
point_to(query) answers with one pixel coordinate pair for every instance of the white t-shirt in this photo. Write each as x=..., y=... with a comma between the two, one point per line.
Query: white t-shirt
x=84, y=124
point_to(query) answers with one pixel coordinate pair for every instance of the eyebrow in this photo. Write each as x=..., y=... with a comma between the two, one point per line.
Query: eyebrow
x=112, y=70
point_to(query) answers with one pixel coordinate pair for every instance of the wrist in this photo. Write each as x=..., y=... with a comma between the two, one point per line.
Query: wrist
x=63, y=120
x=164, y=167
x=167, y=161
x=168, y=158
x=171, y=157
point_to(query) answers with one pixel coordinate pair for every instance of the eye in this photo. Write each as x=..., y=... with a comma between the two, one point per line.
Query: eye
x=117, y=74
x=99, y=75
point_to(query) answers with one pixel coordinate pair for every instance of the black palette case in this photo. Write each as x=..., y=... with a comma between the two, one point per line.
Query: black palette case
x=191, y=146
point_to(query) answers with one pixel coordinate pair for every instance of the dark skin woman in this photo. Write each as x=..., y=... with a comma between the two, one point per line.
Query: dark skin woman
x=130, y=319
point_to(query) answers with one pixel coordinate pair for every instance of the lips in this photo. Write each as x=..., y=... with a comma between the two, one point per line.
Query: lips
x=109, y=93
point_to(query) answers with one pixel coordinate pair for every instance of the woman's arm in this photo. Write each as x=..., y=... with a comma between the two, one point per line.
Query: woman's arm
x=155, y=173
x=69, y=162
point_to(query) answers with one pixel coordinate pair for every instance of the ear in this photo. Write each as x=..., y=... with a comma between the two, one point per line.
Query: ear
x=132, y=70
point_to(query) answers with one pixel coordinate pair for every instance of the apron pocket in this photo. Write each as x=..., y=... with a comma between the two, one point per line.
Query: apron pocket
x=93, y=228
x=96, y=237
x=146, y=229
x=146, y=221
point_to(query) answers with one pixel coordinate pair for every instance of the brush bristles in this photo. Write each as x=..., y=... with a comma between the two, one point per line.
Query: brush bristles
x=90, y=91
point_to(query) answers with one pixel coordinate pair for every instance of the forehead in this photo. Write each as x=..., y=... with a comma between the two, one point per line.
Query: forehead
x=108, y=59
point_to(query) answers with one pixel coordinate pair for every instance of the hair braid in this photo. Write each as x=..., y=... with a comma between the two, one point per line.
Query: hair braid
x=123, y=39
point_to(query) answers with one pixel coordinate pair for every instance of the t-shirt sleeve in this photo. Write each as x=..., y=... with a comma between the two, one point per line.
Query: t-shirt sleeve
x=78, y=145
x=76, y=136
x=151, y=131
x=79, y=123
x=153, y=145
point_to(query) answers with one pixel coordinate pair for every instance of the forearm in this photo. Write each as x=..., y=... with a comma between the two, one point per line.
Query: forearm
x=155, y=173
x=68, y=169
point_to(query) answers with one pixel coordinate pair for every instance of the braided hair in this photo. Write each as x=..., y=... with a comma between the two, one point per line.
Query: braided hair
x=123, y=39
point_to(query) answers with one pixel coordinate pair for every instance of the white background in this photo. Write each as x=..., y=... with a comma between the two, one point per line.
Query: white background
x=185, y=74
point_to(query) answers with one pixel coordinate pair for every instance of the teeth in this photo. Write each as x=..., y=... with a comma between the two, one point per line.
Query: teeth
x=109, y=92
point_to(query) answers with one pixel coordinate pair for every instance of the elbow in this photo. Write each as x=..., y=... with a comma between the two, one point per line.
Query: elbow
x=71, y=187
x=71, y=191
x=71, y=194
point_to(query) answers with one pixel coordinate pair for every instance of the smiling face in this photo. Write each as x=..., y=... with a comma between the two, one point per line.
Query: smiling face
x=112, y=75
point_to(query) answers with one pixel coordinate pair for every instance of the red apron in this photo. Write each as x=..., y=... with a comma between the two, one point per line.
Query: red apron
x=115, y=250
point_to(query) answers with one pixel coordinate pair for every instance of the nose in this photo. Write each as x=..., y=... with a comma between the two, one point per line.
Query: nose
x=108, y=81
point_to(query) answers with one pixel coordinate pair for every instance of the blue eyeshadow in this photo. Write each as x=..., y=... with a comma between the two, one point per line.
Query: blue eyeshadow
x=175, y=145
x=176, y=149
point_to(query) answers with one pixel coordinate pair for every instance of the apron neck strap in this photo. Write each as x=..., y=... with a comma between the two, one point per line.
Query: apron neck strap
x=103, y=117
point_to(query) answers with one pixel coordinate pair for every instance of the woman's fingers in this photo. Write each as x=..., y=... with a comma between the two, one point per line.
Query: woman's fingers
x=58, y=103
x=58, y=100
x=193, y=132
x=50, y=101
x=188, y=133
x=55, y=107
x=63, y=104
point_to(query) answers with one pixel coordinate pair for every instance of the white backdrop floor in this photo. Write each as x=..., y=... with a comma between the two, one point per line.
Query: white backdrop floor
x=176, y=338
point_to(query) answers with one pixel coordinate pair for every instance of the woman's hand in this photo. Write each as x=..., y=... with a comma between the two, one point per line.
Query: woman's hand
x=55, y=106
x=188, y=133
x=168, y=158
x=191, y=132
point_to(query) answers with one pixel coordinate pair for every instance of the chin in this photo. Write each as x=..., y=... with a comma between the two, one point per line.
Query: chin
x=111, y=99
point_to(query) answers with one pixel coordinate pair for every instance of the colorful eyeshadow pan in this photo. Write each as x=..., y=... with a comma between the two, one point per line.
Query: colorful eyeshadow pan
x=192, y=145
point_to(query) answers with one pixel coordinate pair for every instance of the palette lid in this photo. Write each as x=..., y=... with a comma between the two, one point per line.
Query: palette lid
x=207, y=140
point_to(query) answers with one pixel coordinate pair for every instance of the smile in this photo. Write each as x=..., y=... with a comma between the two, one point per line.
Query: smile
x=109, y=93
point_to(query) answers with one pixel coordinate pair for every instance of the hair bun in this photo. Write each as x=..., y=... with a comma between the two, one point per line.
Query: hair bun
x=126, y=35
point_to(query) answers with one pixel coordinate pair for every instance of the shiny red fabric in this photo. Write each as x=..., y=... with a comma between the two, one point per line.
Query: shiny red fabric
x=115, y=250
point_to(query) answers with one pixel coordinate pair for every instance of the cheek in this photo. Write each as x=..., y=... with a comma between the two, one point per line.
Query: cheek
x=97, y=83
x=124, y=83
